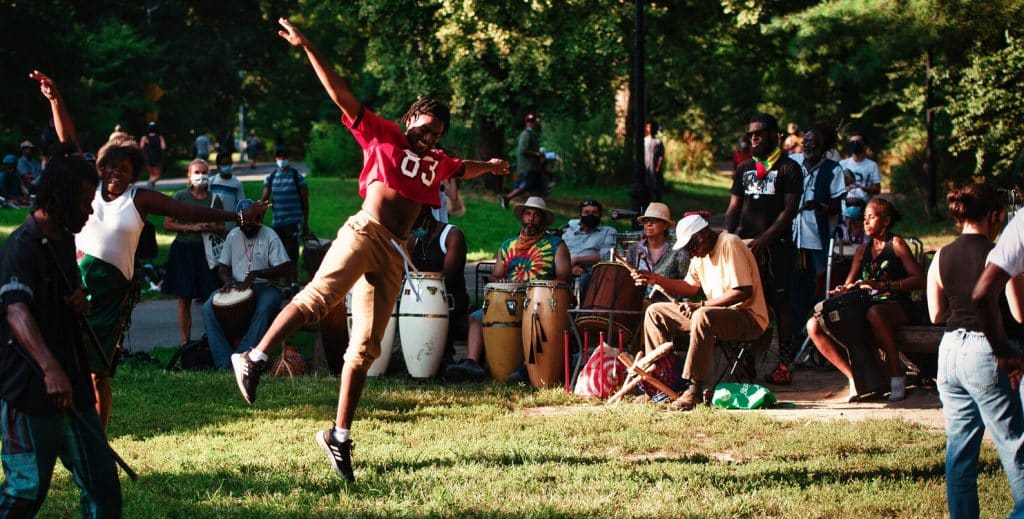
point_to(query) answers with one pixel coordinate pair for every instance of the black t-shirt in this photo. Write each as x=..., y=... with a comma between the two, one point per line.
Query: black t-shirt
x=764, y=200
x=29, y=275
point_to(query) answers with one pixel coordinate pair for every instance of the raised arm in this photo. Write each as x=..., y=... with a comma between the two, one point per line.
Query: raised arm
x=336, y=87
x=61, y=120
x=475, y=168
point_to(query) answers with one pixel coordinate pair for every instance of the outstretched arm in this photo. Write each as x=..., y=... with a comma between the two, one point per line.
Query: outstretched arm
x=475, y=168
x=336, y=87
x=61, y=120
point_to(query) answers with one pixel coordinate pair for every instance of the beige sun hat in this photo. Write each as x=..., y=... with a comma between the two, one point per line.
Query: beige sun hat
x=657, y=211
x=534, y=202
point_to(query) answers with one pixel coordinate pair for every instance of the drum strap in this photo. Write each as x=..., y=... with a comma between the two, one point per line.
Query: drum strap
x=405, y=265
x=537, y=338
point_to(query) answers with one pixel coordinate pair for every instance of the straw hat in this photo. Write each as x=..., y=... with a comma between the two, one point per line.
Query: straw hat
x=687, y=227
x=657, y=211
x=534, y=202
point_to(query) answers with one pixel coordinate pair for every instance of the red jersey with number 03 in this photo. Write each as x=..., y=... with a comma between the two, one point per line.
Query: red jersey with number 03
x=388, y=158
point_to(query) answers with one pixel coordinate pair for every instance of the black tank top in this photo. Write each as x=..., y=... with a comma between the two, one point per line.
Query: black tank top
x=153, y=152
x=428, y=257
x=960, y=265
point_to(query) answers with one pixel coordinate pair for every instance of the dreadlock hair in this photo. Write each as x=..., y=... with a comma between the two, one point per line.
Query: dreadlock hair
x=61, y=182
x=887, y=208
x=769, y=122
x=827, y=131
x=973, y=202
x=430, y=106
x=119, y=148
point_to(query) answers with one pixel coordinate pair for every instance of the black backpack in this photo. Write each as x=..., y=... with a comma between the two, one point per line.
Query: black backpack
x=193, y=356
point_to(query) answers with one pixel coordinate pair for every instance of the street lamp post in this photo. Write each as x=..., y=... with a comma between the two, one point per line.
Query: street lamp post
x=638, y=191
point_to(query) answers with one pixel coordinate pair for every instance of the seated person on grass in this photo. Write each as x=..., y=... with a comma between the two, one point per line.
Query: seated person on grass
x=532, y=255
x=725, y=270
x=886, y=267
x=252, y=255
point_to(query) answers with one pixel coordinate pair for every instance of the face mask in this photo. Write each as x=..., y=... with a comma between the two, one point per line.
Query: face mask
x=590, y=220
x=198, y=179
x=419, y=232
x=856, y=147
x=225, y=171
x=282, y=163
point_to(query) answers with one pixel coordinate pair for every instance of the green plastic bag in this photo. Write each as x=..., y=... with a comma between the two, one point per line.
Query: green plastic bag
x=730, y=395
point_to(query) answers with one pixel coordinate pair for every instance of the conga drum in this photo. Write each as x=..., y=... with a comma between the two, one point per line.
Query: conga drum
x=612, y=289
x=545, y=319
x=503, y=327
x=844, y=319
x=234, y=309
x=387, y=343
x=423, y=323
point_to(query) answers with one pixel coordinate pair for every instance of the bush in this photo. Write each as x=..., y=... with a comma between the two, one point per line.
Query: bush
x=686, y=155
x=333, y=152
x=588, y=151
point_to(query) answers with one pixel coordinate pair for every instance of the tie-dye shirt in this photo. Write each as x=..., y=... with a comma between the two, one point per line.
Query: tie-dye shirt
x=536, y=263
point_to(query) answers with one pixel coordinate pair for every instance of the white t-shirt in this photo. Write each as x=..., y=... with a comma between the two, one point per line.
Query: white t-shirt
x=865, y=172
x=245, y=255
x=1008, y=254
x=805, y=225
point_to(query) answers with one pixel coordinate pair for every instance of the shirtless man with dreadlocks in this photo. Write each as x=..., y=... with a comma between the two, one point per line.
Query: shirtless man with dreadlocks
x=401, y=173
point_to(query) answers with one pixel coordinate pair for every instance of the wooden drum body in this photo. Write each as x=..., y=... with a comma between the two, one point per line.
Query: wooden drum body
x=423, y=323
x=545, y=319
x=234, y=309
x=503, y=327
x=612, y=289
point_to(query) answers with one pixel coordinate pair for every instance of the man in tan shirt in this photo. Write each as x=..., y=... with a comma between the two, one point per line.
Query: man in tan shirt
x=734, y=310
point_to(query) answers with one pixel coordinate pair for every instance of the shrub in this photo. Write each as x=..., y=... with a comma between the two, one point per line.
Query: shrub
x=332, y=151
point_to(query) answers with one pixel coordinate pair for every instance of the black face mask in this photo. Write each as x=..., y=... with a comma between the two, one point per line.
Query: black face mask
x=856, y=147
x=590, y=220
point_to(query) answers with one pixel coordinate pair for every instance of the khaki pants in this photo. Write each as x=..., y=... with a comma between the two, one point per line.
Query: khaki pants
x=361, y=259
x=706, y=325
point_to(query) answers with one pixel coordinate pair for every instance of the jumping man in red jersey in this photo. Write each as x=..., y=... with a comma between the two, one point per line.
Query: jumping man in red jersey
x=401, y=173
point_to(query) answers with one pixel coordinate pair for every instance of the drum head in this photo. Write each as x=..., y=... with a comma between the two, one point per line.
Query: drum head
x=231, y=297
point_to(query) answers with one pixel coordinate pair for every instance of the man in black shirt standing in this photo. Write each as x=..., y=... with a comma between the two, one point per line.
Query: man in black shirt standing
x=765, y=192
x=44, y=369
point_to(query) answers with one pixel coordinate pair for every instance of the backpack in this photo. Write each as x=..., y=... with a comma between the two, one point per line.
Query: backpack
x=194, y=356
x=295, y=178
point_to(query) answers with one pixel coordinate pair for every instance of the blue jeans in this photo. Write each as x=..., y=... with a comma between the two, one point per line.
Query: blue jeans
x=268, y=303
x=976, y=395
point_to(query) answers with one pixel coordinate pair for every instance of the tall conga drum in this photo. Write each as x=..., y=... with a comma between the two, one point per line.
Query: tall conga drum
x=423, y=322
x=503, y=327
x=844, y=319
x=387, y=343
x=234, y=309
x=545, y=319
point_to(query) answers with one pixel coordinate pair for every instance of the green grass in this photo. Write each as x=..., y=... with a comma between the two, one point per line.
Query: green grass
x=430, y=450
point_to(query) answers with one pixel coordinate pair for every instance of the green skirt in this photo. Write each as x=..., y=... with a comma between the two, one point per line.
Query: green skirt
x=110, y=312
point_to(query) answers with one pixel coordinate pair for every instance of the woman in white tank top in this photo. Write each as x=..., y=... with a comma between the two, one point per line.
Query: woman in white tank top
x=108, y=242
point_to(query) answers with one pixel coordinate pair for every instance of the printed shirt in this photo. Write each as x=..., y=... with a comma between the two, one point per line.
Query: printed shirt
x=729, y=265
x=31, y=274
x=536, y=263
x=285, y=196
x=764, y=199
x=865, y=173
x=388, y=158
x=245, y=255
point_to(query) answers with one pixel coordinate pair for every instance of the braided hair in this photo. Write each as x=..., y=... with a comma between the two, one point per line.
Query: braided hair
x=430, y=106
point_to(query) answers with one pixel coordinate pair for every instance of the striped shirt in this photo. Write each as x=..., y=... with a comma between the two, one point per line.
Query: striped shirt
x=284, y=195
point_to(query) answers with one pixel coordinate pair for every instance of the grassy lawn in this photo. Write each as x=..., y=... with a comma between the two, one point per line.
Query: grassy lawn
x=430, y=450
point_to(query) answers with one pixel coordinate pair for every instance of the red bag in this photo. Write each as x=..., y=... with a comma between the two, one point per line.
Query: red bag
x=602, y=375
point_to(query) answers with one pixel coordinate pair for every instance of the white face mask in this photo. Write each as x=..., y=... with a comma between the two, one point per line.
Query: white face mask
x=198, y=179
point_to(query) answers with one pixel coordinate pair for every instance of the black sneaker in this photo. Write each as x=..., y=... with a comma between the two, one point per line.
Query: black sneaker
x=466, y=370
x=247, y=374
x=518, y=376
x=338, y=453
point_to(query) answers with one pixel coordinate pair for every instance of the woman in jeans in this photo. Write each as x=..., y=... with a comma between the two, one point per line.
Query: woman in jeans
x=976, y=393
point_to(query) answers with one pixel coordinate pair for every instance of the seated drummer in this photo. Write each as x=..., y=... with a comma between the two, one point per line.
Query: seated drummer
x=725, y=269
x=886, y=266
x=252, y=255
x=532, y=255
x=441, y=247
x=588, y=241
x=656, y=252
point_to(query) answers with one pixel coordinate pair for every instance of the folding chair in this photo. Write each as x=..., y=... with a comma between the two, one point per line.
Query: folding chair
x=741, y=363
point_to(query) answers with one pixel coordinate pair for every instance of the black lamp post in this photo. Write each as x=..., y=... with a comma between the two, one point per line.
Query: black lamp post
x=638, y=191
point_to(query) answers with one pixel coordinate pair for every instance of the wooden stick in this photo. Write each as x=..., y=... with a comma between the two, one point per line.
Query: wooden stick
x=638, y=369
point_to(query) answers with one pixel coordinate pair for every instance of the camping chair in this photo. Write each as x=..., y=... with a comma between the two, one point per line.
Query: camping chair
x=740, y=356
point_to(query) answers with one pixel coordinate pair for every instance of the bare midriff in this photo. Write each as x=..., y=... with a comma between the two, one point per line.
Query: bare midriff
x=395, y=212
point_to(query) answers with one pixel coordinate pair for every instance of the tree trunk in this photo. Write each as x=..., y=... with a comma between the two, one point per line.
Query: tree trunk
x=931, y=170
x=491, y=144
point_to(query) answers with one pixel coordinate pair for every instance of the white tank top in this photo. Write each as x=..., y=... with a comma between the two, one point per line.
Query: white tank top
x=112, y=232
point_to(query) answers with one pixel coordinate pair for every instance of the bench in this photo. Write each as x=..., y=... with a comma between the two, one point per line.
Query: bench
x=919, y=339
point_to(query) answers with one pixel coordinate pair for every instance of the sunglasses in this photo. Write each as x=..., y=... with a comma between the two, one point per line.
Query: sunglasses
x=589, y=202
x=760, y=133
